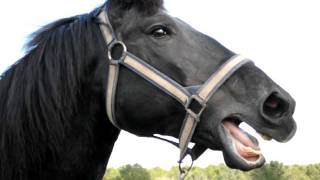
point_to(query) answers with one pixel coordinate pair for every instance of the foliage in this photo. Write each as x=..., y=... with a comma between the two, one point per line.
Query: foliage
x=128, y=172
x=296, y=173
x=158, y=173
x=313, y=171
x=272, y=171
x=112, y=174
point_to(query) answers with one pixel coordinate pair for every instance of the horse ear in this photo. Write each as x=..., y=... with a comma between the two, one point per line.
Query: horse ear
x=144, y=6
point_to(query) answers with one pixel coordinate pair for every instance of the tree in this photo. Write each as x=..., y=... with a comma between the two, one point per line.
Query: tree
x=157, y=173
x=112, y=174
x=212, y=172
x=173, y=173
x=135, y=172
x=296, y=173
x=313, y=171
x=232, y=174
x=197, y=173
x=272, y=171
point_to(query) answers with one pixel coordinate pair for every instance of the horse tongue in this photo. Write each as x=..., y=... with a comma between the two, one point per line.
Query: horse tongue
x=246, y=145
x=253, y=139
x=241, y=136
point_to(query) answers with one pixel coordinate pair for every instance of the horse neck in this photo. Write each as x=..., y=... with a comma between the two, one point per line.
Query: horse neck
x=53, y=123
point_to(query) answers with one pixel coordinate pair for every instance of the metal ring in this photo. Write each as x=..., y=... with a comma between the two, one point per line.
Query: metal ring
x=184, y=171
x=123, y=54
x=200, y=101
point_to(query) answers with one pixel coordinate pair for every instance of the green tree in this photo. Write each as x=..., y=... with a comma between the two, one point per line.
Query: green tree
x=173, y=173
x=197, y=173
x=313, y=171
x=135, y=172
x=212, y=172
x=272, y=171
x=158, y=173
x=112, y=174
x=296, y=173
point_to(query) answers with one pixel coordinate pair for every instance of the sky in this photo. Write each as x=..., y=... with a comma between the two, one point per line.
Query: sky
x=282, y=37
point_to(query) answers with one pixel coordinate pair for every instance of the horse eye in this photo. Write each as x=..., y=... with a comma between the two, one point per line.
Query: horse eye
x=160, y=32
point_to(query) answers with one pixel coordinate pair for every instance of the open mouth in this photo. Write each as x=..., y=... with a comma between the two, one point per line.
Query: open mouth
x=241, y=149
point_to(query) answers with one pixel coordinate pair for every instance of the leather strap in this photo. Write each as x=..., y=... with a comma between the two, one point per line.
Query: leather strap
x=203, y=95
x=163, y=82
x=157, y=78
x=195, y=152
x=113, y=74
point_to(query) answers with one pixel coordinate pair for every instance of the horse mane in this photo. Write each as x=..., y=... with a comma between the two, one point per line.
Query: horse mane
x=39, y=94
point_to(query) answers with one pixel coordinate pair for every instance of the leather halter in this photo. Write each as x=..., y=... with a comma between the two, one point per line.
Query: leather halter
x=163, y=82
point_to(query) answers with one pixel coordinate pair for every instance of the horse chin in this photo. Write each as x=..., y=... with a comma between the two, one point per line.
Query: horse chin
x=240, y=149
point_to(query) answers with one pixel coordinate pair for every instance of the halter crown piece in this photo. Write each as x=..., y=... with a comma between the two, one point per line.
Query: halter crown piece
x=165, y=83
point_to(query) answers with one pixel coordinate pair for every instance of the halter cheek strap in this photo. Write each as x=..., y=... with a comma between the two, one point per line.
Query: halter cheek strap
x=163, y=82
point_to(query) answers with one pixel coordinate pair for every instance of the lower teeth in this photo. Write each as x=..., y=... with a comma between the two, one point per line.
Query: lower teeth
x=252, y=151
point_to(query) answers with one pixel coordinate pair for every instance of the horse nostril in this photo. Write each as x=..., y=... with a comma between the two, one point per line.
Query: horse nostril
x=275, y=106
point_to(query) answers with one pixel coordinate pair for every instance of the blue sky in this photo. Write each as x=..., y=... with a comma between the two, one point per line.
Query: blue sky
x=282, y=37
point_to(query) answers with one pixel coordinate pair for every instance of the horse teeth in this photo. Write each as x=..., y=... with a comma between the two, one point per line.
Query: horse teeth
x=252, y=151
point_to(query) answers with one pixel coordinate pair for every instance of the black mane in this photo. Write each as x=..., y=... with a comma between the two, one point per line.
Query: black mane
x=41, y=93
x=38, y=95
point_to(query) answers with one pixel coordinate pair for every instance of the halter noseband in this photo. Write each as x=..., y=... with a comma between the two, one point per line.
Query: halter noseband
x=165, y=83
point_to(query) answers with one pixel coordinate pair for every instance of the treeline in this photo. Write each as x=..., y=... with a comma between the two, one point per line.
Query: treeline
x=272, y=171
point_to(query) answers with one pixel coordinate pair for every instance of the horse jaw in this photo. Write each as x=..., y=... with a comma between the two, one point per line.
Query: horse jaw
x=240, y=149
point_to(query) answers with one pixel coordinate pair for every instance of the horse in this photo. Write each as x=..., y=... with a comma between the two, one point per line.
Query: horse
x=60, y=115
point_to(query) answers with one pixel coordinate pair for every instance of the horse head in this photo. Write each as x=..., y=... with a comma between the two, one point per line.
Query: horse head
x=190, y=58
x=63, y=103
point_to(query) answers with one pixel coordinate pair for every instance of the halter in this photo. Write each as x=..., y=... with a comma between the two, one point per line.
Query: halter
x=194, y=104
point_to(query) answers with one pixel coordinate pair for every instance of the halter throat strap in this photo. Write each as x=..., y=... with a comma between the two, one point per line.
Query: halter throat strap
x=163, y=82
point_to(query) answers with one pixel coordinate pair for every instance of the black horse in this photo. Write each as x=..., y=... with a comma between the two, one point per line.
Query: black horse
x=53, y=120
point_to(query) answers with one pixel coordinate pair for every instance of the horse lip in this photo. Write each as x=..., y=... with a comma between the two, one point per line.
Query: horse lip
x=235, y=161
x=287, y=138
x=232, y=158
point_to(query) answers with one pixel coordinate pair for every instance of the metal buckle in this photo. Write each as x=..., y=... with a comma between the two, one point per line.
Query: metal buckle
x=112, y=45
x=184, y=171
x=201, y=104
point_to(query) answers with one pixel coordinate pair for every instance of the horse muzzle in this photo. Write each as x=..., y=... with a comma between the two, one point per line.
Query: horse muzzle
x=274, y=121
